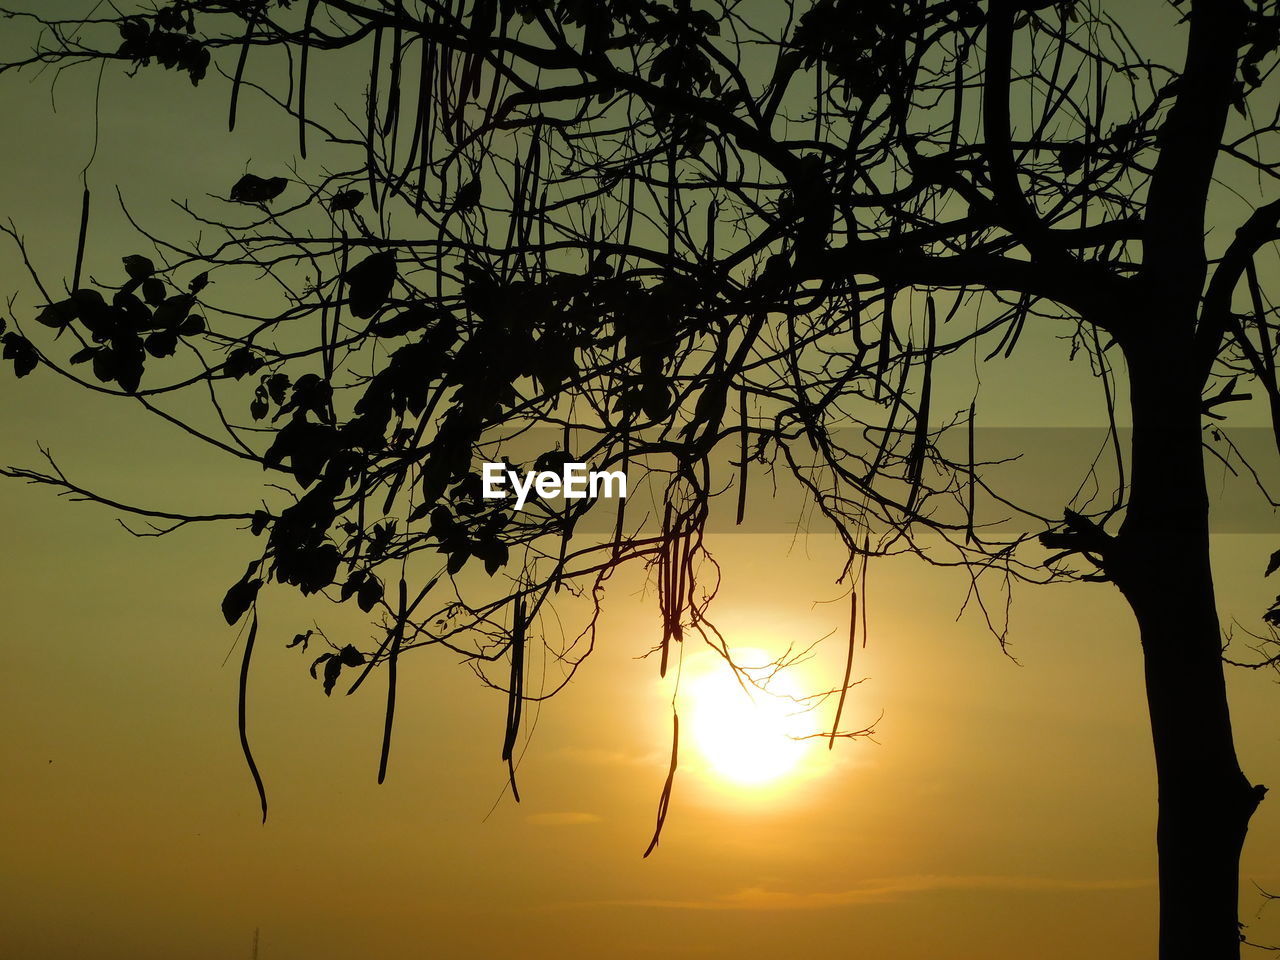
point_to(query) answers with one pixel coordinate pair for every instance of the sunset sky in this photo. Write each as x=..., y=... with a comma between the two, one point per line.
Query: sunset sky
x=1005, y=809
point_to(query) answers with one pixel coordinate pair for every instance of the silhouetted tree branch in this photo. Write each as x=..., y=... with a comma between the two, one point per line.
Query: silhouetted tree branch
x=619, y=222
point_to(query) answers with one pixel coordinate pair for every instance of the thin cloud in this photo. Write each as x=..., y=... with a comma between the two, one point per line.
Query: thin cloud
x=594, y=756
x=883, y=891
x=565, y=819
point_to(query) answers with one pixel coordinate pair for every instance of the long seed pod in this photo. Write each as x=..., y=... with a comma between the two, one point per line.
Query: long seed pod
x=713, y=213
x=855, y=321
x=742, y=455
x=371, y=115
x=470, y=82
x=862, y=583
x=393, y=89
x=326, y=343
x=818, y=80
x=920, y=441
x=424, y=134
x=684, y=582
x=517, y=204
x=1024, y=308
x=1268, y=354
x=890, y=426
x=674, y=565
x=664, y=802
x=242, y=713
x=444, y=96
x=665, y=589
x=631, y=212
x=1264, y=364
x=529, y=189
x=342, y=281
x=969, y=505
x=415, y=141
x=373, y=661
x=238, y=79
x=672, y=189
x=542, y=236
x=569, y=520
x=621, y=509
x=84, y=234
x=887, y=334
x=1017, y=316
x=491, y=106
x=302, y=76
x=848, y=662
x=515, y=693
x=393, y=656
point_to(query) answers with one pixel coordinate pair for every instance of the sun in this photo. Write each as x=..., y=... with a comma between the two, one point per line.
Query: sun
x=747, y=735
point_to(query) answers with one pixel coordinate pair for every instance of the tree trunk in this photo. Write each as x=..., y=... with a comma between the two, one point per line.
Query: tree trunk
x=1161, y=564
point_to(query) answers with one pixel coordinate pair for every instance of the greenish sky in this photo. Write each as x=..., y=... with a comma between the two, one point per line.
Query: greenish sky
x=1006, y=810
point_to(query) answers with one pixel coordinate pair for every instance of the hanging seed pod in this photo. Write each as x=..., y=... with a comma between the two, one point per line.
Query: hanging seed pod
x=972, y=478
x=515, y=692
x=887, y=336
x=920, y=441
x=664, y=801
x=390, y=120
x=430, y=63
x=393, y=656
x=302, y=76
x=848, y=662
x=742, y=456
x=238, y=79
x=84, y=233
x=371, y=118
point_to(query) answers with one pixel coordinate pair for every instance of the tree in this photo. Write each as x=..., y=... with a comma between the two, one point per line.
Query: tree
x=670, y=231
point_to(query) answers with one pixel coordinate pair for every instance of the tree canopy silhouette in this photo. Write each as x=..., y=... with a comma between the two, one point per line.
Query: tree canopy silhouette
x=700, y=243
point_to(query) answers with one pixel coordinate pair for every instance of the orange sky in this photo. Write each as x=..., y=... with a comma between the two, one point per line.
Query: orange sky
x=1001, y=805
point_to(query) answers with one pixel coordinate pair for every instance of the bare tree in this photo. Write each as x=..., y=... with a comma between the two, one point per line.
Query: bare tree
x=703, y=243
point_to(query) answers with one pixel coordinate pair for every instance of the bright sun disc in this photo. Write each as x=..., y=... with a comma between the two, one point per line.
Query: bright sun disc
x=747, y=735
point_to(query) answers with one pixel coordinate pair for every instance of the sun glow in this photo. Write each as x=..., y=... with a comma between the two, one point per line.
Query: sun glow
x=746, y=734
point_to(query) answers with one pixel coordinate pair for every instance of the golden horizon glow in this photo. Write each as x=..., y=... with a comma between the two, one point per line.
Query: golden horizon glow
x=746, y=726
